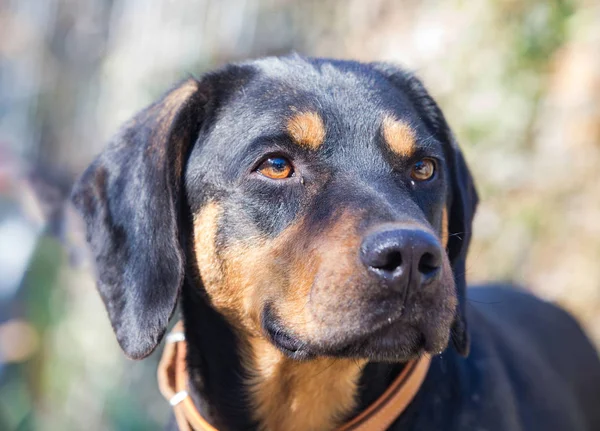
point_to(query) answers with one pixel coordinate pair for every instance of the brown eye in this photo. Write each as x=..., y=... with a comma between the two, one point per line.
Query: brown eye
x=277, y=168
x=423, y=170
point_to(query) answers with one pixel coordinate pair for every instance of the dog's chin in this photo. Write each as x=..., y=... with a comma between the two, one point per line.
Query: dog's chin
x=395, y=342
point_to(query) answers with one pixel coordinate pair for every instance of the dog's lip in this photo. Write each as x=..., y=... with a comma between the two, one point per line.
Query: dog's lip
x=289, y=344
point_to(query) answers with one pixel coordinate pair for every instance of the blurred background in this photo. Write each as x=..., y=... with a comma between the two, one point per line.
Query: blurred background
x=518, y=80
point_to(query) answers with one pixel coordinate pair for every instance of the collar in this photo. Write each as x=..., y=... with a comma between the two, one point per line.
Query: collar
x=173, y=380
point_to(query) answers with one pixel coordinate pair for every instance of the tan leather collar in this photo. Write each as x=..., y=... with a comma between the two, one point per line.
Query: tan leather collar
x=173, y=378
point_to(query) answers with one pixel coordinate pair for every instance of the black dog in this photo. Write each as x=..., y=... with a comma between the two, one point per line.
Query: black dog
x=314, y=217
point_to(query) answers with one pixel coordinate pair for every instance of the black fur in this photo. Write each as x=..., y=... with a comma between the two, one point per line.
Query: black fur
x=529, y=368
x=130, y=198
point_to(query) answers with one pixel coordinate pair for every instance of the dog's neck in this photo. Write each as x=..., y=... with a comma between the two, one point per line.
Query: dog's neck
x=317, y=394
x=251, y=385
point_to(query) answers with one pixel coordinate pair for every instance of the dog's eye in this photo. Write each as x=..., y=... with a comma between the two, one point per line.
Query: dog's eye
x=277, y=168
x=423, y=170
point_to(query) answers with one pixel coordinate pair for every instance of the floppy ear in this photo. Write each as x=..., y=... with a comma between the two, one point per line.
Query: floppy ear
x=462, y=210
x=462, y=201
x=130, y=200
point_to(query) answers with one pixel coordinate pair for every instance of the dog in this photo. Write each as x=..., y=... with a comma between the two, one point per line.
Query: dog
x=312, y=219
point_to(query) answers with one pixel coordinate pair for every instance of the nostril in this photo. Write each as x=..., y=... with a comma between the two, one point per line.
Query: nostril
x=428, y=264
x=392, y=260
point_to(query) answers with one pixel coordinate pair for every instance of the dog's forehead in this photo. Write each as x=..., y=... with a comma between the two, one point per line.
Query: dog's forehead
x=344, y=99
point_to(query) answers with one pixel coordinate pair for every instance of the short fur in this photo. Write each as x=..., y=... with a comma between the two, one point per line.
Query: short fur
x=399, y=136
x=307, y=129
x=291, y=323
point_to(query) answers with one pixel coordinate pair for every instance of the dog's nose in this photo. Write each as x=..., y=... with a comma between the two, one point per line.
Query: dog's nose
x=402, y=258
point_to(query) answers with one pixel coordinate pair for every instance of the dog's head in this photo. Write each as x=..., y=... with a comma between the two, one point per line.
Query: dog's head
x=328, y=210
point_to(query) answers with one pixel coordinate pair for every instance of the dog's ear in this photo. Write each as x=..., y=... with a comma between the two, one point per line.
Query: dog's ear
x=462, y=200
x=130, y=199
x=463, y=203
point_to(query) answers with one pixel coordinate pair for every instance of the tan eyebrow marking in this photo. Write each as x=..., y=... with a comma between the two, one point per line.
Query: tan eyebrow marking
x=399, y=136
x=307, y=129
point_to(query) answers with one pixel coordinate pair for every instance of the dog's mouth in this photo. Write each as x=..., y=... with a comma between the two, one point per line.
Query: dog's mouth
x=391, y=340
x=289, y=344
